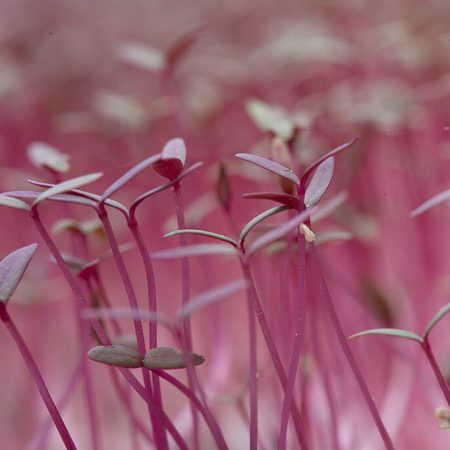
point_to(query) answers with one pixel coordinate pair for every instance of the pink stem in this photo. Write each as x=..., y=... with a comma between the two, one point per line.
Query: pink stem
x=437, y=371
x=187, y=328
x=164, y=419
x=126, y=400
x=158, y=429
x=40, y=441
x=298, y=344
x=328, y=303
x=209, y=418
x=37, y=377
x=253, y=373
x=257, y=308
x=152, y=303
x=126, y=373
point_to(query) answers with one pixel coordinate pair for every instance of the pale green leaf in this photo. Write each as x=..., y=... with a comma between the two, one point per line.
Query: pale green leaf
x=437, y=318
x=12, y=202
x=395, y=332
x=210, y=234
x=67, y=186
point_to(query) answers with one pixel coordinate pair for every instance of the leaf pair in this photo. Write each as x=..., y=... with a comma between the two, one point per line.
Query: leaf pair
x=169, y=163
x=322, y=168
x=159, y=358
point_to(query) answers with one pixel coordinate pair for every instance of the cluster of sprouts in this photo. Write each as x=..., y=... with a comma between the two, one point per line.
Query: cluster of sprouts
x=298, y=201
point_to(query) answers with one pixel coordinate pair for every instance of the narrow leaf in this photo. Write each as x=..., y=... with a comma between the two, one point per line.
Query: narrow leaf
x=210, y=234
x=12, y=202
x=87, y=195
x=212, y=296
x=12, y=268
x=269, y=165
x=66, y=198
x=259, y=218
x=437, y=318
x=173, y=159
x=166, y=358
x=319, y=182
x=284, y=199
x=195, y=250
x=116, y=355
x=333, y=152
x=390, y=332
x=67, y=186
x=433, y=201
x=280, y=231
x=129, y=175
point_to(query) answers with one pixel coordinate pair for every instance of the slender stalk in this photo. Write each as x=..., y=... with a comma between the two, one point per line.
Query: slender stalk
x=328, y=303
x=39, y=442
x=152, y=302
x=88, y=388
x=186, y=324
x=78, y=293
x=257, y=308
x=437, y=371
x=253, y=373
x=158, y=430
x=162, y=416
x=318, y=335
x=37, y=377
x=209, y=418
x=298, y=343
x=105, y=299
x=124, y=397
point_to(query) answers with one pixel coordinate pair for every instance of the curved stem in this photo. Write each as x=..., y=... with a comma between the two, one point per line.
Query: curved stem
x=164, y=419
x=276, y=360
x=158, y=430
x=328, y=303
x=298, y=343
x=126, y=400
x=437, y=371
x=78, y=293
x=39, y=442
x=253, y=370
x=186, y=324
x=209, y=418
x=37, y=377
x=152, y=303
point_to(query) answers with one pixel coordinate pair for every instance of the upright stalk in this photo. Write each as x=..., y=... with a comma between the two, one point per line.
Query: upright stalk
x=204, y=411
x=152, y=303
x=257, y=308
x=39, y=442
x=37, y=377
x=328, y=303
x=158, y=429
x=186, y=324
x=437, y=371
x=253, y=372
x=298, y=343
x=126, y=373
